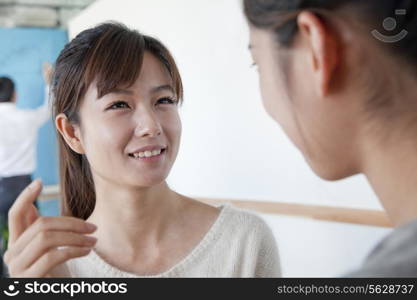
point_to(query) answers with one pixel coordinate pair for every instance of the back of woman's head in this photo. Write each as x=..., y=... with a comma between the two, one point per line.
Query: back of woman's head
x=109, y=55
x=275, y=15
x=6, y=89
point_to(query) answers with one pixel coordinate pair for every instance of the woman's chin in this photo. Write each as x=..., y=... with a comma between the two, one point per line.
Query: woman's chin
x=147, y=182
x=332, y=172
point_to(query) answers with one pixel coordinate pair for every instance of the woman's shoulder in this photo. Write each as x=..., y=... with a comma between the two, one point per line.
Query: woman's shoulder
x=227, y=222
x=239, y=223
x=241, y=219
x=228, y=215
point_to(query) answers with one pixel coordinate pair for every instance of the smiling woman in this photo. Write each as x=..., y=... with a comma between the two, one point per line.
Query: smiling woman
x=107, y=61
x=116, y=95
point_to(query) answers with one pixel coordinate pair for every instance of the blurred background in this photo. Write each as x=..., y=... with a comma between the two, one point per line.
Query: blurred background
x=230, y=148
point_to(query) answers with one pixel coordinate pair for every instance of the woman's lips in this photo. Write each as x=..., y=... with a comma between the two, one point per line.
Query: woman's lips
x=149, y=157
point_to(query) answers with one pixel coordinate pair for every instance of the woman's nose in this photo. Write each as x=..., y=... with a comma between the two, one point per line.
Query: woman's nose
x=148, y=126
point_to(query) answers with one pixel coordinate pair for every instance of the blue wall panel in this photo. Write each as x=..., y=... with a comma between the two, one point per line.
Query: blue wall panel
x=22, y=53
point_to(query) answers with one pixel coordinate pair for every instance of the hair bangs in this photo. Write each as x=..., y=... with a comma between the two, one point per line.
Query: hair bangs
x=115, y=60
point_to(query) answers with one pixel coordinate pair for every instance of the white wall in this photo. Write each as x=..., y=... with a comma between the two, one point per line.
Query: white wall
x=230, y=148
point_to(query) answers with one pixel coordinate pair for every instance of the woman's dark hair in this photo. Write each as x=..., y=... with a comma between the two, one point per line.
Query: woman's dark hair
x=279, y=16
x=6, y=89
x=110, y=55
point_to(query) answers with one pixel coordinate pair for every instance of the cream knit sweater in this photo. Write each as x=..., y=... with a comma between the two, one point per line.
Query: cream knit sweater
x=239, y=244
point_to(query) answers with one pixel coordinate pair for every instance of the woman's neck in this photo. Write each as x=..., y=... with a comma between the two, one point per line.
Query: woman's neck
x=132, y=217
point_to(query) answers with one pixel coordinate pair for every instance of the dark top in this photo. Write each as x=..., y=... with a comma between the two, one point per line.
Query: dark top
x=395, y=256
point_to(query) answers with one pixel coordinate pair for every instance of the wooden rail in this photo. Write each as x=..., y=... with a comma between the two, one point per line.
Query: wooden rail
x=317, y=212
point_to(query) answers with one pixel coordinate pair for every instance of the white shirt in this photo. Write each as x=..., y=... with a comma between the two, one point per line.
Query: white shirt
x=18, y=137
x=238, y=244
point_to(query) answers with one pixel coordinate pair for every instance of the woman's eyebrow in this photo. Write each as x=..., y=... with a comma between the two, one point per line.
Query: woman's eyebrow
x=165, y=87
x=116, y=91
x=122, y=91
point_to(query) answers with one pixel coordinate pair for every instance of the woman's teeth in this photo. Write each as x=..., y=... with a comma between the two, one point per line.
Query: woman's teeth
x=147, y=153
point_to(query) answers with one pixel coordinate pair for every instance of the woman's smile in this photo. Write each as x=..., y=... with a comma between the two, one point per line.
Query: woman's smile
x=151, y=155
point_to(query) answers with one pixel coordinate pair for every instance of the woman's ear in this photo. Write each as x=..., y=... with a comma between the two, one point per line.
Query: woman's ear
x=323, y=47
x=70, y=133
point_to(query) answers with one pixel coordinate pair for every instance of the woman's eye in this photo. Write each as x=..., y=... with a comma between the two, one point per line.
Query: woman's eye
x=118, y=105
x=166, y=101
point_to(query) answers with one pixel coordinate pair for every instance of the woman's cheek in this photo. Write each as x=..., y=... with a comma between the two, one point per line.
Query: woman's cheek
x=173, y=128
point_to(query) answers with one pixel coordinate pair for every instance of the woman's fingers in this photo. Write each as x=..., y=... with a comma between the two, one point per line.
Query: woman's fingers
x=52, y=259
x=46, y=241
x=18, y=212
x=38, y=244
x=44, y=224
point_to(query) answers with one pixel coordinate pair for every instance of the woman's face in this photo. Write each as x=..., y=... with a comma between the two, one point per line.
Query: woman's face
x=272, y=82
x=131, y=135
x=321, y=127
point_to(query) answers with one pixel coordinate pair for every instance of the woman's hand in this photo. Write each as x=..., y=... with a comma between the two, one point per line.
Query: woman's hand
x=47, y=72
x=38, y=244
